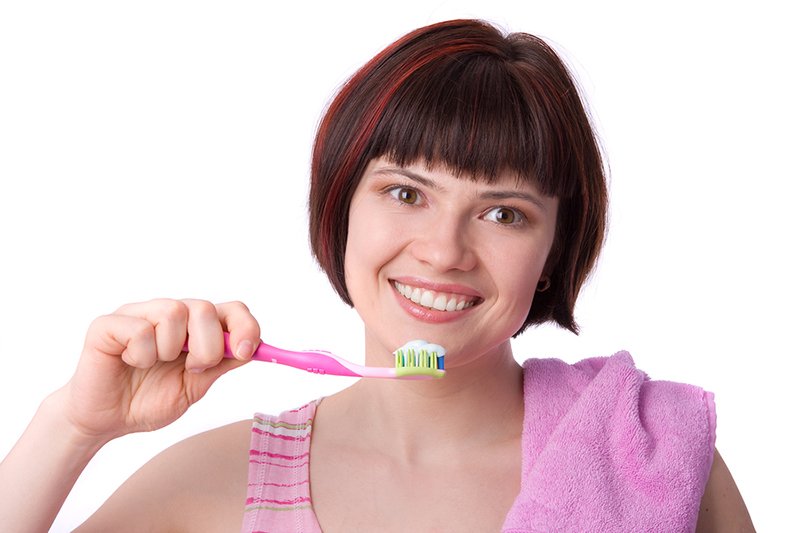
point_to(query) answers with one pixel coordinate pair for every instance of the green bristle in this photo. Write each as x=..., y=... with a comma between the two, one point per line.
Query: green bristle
x=412, y=362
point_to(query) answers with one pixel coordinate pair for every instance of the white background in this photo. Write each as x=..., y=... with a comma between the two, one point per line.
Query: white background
x=155, y=149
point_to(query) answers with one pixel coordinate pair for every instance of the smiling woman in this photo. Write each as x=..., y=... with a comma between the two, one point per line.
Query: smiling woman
x=406, y=260
x=458, y=195
x=483, y=105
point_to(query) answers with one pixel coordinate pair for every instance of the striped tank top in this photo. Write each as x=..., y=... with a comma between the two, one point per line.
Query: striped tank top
x=278, y=495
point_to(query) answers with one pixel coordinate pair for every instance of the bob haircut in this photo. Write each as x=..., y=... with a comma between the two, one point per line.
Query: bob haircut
x=463, y=95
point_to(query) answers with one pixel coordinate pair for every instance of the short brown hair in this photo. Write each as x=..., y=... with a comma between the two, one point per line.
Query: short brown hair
x=461, y=94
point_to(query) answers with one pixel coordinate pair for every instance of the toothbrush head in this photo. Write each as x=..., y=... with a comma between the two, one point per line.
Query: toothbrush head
x=419, y=359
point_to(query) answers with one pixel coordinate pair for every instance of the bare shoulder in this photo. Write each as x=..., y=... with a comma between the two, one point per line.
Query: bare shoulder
x=198, y=484
x=722, y=507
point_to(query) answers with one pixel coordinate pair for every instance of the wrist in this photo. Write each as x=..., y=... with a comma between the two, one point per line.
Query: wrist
x=42, y=467
x=54, y=415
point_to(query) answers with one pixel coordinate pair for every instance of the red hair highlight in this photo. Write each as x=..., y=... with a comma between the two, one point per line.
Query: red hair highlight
x=460, y=93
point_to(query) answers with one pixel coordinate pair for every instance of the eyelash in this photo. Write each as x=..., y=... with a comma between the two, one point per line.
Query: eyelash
x=519, y=218
x=395, y=190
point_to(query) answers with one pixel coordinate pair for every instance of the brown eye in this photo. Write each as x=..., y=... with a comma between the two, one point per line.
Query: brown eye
x=503, y=215
x=406, y=195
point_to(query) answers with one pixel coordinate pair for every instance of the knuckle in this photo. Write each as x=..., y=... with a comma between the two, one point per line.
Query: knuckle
x=98, y=323
x=97, y=328
x=238, y=315
x=123, y=309
x=173, y=310
x=134, y=359
x=201, y=308
x=141, y=332
x=168, y=355
x=238, y=306
x=205, y=358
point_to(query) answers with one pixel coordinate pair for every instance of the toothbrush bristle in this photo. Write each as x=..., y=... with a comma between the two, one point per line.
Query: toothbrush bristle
x=410, y=362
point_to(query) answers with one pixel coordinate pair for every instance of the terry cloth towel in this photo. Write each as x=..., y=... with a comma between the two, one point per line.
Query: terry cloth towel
x=604, y=448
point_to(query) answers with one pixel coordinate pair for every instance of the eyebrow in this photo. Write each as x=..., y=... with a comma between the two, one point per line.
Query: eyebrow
x=410, y=174
x=504, y=195
x=486, y=195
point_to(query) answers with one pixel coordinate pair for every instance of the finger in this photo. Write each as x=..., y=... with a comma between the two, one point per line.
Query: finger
x=130, y=338
x=169, y=317
x=206, y=345
x=198, y=383
x=245, y=333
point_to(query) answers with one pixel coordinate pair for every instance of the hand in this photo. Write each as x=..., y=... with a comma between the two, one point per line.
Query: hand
x=133, y=374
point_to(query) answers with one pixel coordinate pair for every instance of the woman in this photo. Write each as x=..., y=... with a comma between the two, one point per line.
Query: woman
x=458, y=196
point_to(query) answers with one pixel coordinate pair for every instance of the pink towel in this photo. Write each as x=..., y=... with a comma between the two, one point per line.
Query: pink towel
x=606, y=449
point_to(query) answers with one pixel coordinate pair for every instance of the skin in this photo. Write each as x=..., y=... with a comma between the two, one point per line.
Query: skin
x=423, y=225
x=445, y=232
x=426, y=225
x=132, y=376
x=722, y=507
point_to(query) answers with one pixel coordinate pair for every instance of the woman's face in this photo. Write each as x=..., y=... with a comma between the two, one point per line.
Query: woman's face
x=446, y=259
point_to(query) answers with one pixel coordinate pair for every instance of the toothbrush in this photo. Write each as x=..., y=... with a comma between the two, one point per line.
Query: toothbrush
x=414, y=360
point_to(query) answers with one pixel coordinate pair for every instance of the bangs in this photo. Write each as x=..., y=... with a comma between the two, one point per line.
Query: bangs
x=480, y=117
x=463, y=95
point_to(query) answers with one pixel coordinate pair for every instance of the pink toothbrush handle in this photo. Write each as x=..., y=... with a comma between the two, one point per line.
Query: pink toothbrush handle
x=322, y=362
x=317, y=361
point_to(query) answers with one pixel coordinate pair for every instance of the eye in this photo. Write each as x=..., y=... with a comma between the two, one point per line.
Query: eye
x=406, y=195
x=505, y=216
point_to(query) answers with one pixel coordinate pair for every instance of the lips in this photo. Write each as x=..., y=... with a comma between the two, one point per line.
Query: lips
x=438, y=300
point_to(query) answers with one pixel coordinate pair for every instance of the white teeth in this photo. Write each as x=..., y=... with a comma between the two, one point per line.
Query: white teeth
x=427, y=299
x=415, y=295
x=440, y=302
x=433, y=300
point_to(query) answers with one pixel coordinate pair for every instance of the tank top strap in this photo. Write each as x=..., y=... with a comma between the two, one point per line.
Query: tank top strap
x=278, y=494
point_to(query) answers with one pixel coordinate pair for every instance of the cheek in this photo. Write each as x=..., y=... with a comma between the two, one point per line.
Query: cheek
x=353, y=261
x=522, y=284
x=368, y=249
x=519, y=271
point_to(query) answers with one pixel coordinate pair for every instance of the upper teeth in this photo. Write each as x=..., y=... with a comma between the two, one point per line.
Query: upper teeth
x=440, y=301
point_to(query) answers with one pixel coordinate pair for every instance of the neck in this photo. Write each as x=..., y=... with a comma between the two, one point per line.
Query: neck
x=476, y=405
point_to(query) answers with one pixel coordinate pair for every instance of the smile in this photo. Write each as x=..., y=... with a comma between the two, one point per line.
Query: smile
x=441, y=301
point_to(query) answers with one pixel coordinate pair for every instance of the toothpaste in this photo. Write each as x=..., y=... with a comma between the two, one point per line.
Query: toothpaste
x=420, y=347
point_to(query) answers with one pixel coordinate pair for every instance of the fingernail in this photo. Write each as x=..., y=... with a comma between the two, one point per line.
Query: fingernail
x=244, y=349
x=196, y=370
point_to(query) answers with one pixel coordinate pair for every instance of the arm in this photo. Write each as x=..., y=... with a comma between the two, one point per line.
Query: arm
x=133, y=375
x=722, y=508
x=41, y=469
x=198, y=484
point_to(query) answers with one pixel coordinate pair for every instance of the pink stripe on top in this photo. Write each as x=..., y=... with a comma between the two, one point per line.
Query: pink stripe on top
x=278, y=495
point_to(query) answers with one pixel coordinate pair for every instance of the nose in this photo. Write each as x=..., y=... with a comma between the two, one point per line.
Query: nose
x=445, y=244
